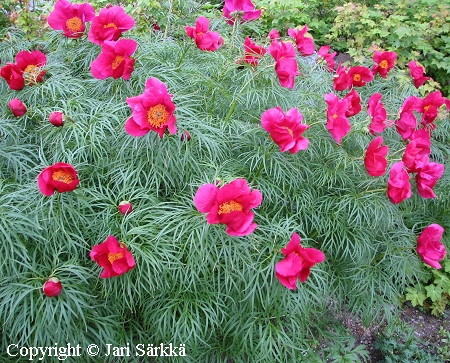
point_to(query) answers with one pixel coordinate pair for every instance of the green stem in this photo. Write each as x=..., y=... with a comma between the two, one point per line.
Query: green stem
x=183, y=54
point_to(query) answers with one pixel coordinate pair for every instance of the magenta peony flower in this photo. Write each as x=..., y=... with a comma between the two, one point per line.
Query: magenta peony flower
x=109, y=25
x=17, y=107
x=252, y=52
x=125, y=207
x=244, y=10
x=52, y=287
x=399, y=187
x=56, y=118
x=375, y=158
x=407, y=122
x=204, y=38
x=286, y=66
x=417, y=151
x=430, y=247
x=377, y=112
x=342, y=80
x=305, y=45
x=323, y=54
x=337, y=122
x=416, y=73
x=274, y=34
x=385, y=61
x=427, y=177
x=430, y=107
x=360, y=75
x=60, y=177
x=354, y=103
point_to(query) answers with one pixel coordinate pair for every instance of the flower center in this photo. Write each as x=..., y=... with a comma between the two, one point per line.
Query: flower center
x=157, y=115
x=117, y=61
x=335, y=116
x=74, y=24
x=63, y=176
x=110, y=25
x=384, y=64
x=426, y=108
x=357, y=77
x=114, y=256
x=30, y=74
x=288, y=130
x=229, y=207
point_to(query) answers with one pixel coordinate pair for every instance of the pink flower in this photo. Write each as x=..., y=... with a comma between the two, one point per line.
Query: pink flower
x=375, y=158
x=229, y=205
x=185, y=136
x=430, y=247
x=52, y=287
x=286, y=66
x=427, y=177
x=274, y=34
x=204, y=38
x=109, y=25
x=285, y=129
x=360, y=75
x=377, y=111
x=337, y=123
x=297, y=262
x=399, y=187
x=113, y=256
x=279, y=49
x=416, y=73
x=244, y=10
x=56, y=118
x=115, y=60
x=323, y=54
x=305, y=45
x=60, y=177
x=253, y=53
x=354, y=103
x=17, y=107
x=341, y=80
x=153, y=110
x=125, y=207
x=430, y=106
x=417, y=151
x=70, y=18
x=13, y=75
x=407, y=122
x=31, y=63
x=385, y=61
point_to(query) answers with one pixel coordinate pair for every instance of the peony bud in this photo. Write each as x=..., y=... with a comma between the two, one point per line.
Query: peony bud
x=52, y=287
x=185, y=136
x=17, y=107
x=125, y=207
x=56, y=119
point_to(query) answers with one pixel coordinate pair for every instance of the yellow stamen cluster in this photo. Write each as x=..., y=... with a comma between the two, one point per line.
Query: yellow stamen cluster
x=114, y=256
x=117, y=61
x=229, y=207
x=74, y=24
x=157, y=116
x=63, y=176
x=30, y=74
x=110, y=25
x=384, y=64
x=288, y=130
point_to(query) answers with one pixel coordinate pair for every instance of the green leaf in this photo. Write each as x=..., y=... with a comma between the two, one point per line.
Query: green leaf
x=402, y=31
x=416, y=297
x=434, y=292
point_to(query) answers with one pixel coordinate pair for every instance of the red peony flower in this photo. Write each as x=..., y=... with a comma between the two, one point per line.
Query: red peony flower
x=417, y=151
x=399, y=187
x=337, y=123
x=253, y=53
x=305, y=45
x=153, y=110
x=430, y=106
x=115, y=60
x=429, y=245
x=244, y=10
x=31, y=63
x=274, y=34
x=427, y=177
x=125, y=207
x=385, y=61
x=17, y=107
x=13, y=75
x=297, y=262
x=61, y=177
x=204, y=38
x=286, y=66
x=285, y=129
x=70, y=18
x=354, y=103
x=360, y=75
x=279, y=50
x=109, y=25
x=341, y=80
x=375, y=158
x=323, y=54
x=185, y=136
x=416, y=73
x=376, y=110
x=229, y=205
x=113, y=256
x=407, y=122
x=56, y=118
x=52, y=287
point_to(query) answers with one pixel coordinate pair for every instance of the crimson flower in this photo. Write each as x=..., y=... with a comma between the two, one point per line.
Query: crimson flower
x=56, y=118
x=109, y=25
x=125, y=207
x=204, y=38
x=399, y=187
x=427, y=177
x=13, y=75
x=286, y=66
x=429, y=245
x=407, y=122
x=385, y=61
x=252, y=52
x=115, y=60
x=285, y=129
x=229, y=205
x=52, y=287
x=323, y=53
x=279, y=50
x=244, y=10
x=417, y=151
x=354, y=103
x=26, y=71
x=375, y=158
x=376, y=110
x=416, y=71
x=17, y=107
x=337, y=123
x=297, y=262
x=70, y=18
x=305, y=45
x=430, y=106
x=360, y=75
x=341, y=80
x=113, y=256
x=61, y=177
x=274, y=34
x=153, y=110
